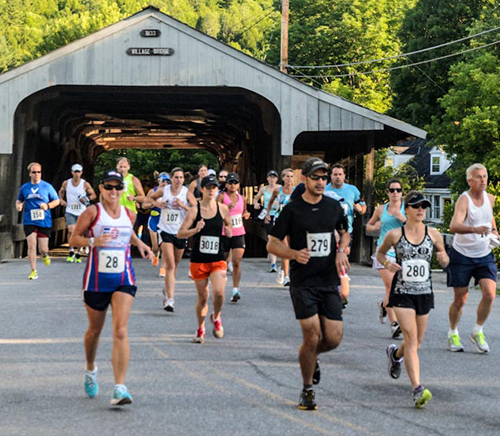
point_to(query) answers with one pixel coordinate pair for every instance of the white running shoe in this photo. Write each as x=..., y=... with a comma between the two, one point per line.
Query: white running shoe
x=230, y=267
x=281, y=277
x=169, y=305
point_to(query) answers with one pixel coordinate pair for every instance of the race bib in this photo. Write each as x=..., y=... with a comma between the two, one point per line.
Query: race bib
x=319, y=244
x=172, y=216
x=236, y=221
x=209, y=244
x=37, y=214
x=262, y=214
x=111, y=261
x=416, y=270
x=346, y=208
x=76, y=206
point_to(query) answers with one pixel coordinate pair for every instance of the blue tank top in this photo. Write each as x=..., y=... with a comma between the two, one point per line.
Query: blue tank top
x=275, y=205
x=389, y=223
x=283, y=200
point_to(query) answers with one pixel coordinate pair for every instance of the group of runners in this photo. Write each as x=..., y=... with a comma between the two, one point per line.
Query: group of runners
x=309, y=228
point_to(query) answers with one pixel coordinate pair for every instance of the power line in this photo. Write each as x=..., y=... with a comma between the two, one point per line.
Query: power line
x=397, y=56
x=403, y=66
x=252, y=25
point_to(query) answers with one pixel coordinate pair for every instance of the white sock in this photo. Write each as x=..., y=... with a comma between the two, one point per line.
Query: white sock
x=235, y=290
x=89, y=371
x=477, y=328
x=452, y=332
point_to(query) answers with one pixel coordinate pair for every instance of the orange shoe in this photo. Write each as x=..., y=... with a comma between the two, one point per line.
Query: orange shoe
x=155, y=260
x=163, y=273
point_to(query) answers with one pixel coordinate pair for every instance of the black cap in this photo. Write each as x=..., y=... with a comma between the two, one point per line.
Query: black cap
x=210, y=180
x=111, y=175
x=272, y=173
x=313, y=164
x=418, y=198
x=231, y=177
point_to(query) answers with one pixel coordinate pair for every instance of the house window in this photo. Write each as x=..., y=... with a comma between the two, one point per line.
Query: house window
x=436, y=207
x=435, y=164
x=389, y=162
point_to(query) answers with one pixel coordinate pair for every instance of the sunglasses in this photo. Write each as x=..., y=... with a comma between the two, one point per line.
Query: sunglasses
x=393, y=190
x=36, y=172
x=222, y=177
x=76, y=171
x=111, y=187
x=419, y=205
x=316, y=177
x=233, y=182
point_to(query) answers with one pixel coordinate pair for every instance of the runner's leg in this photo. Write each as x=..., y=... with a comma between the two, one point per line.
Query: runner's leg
x=121, y=303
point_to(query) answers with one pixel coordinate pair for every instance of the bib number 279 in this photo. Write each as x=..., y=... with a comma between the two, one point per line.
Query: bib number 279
x=319, y=244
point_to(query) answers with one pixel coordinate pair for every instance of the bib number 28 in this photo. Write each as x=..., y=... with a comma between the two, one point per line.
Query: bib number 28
x=319, y=244
x=111, y=261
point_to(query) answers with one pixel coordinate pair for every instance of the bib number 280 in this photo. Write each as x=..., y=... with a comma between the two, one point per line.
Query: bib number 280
x=319, y=244
x=416, y=270
x=111, y=261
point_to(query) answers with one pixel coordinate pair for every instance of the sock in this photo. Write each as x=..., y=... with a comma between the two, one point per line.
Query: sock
x=307, y=387
x=452, y=332
x=477, y=328
x=91, y=371
x=235, y=291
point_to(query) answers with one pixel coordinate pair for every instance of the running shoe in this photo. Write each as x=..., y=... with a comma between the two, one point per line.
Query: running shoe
x=169, y=305
x=394, y=364
x=382, y=315
x=33, y=275
x=344, y=303
x=273, y=268
x=317, y=374
x=421, y=396
x=307, y=401
x=218, y=330
x=162, y=273
x=230, y=267
x=46, y=260
x=455, y=344
x=236, y=295
x=121, y=396
x=286, y=282
x=70, y=259
x=480, y=343
x=395, y=330
x=200, y=336
x=91, y=386
x=281, y=277
x=155, y=260
x=78, y=260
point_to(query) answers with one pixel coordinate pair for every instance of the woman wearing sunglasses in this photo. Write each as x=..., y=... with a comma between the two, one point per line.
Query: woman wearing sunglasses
x=411, y=294
x=107, y=228
x=386, y=217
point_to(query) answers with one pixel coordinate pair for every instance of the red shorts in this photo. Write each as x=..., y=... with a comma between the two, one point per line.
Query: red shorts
x=201, y=271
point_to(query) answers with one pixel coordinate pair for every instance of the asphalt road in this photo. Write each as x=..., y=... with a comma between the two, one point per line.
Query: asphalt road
x=247, y=383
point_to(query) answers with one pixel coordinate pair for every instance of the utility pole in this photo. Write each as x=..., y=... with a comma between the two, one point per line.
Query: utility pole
x=285, y=6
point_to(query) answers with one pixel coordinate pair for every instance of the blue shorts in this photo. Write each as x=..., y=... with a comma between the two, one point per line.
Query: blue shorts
x=462, y=268
x=153, y=223
x=70, y=219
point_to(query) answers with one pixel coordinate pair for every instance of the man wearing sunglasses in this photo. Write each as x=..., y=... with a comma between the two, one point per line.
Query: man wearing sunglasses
x=315, y=268
x=78, y=194
x=470, y=256
x=37, y=197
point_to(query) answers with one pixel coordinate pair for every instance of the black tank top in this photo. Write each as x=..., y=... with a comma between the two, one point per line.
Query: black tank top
x=197, y=189
x=208, y=242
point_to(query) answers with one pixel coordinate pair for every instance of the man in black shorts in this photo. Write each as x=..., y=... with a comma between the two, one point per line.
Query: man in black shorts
x=314, y=269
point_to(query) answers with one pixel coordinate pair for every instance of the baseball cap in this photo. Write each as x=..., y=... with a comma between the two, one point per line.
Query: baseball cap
x=111, y=175
x=418, y=198
x=164, y=176
x=210, y=180
x=313, y=164
x=232, y=177
x=211, y=172
x=76, y=167
x=272, y=173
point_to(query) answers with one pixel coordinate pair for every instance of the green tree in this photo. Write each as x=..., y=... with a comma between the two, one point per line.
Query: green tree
x=431, y=22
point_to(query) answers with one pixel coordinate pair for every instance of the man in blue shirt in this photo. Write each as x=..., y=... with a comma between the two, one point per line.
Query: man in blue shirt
x=37, y=198
x=350, y=197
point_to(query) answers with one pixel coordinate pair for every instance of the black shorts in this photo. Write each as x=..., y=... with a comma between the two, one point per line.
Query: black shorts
x=324, y=301
x=101, y=300
x=234, y=242
x=421, y=304
x=42, y=232
x=268, y=227
x=168, y=238
x=462, y=268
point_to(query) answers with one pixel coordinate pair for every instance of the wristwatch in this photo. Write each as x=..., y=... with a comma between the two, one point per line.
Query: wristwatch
x=91, y=242
x=341, y=250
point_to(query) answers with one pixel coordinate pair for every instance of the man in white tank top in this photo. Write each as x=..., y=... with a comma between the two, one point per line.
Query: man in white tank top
x=76, y=194
x=471, y=256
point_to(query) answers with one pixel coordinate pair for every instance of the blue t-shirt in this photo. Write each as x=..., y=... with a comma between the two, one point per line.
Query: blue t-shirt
x=350, y=195
x=33, y=196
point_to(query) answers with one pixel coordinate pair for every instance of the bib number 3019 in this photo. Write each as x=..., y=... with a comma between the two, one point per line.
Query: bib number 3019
x=416, y=270
x=111, y=261
x=319, y=244
x=209, y=244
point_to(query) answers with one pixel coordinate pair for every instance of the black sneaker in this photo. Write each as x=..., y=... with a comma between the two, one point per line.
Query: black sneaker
x=306, y=401
x=396, y=330
x=394, y=364
x=317, y=374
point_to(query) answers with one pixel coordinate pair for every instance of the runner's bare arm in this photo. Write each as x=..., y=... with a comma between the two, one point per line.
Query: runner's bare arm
x=375, y=224
x=185, y=231
x=139, y=191
x=79, y=237
x=390, y=241
x=228, y=228
x=277, y=246
x=62, y=193
x=441, y=255
x=275, y=194
x=152, y=197
x=191, y=200
x=256, y=203
x=457, y=222
x=90, y=191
